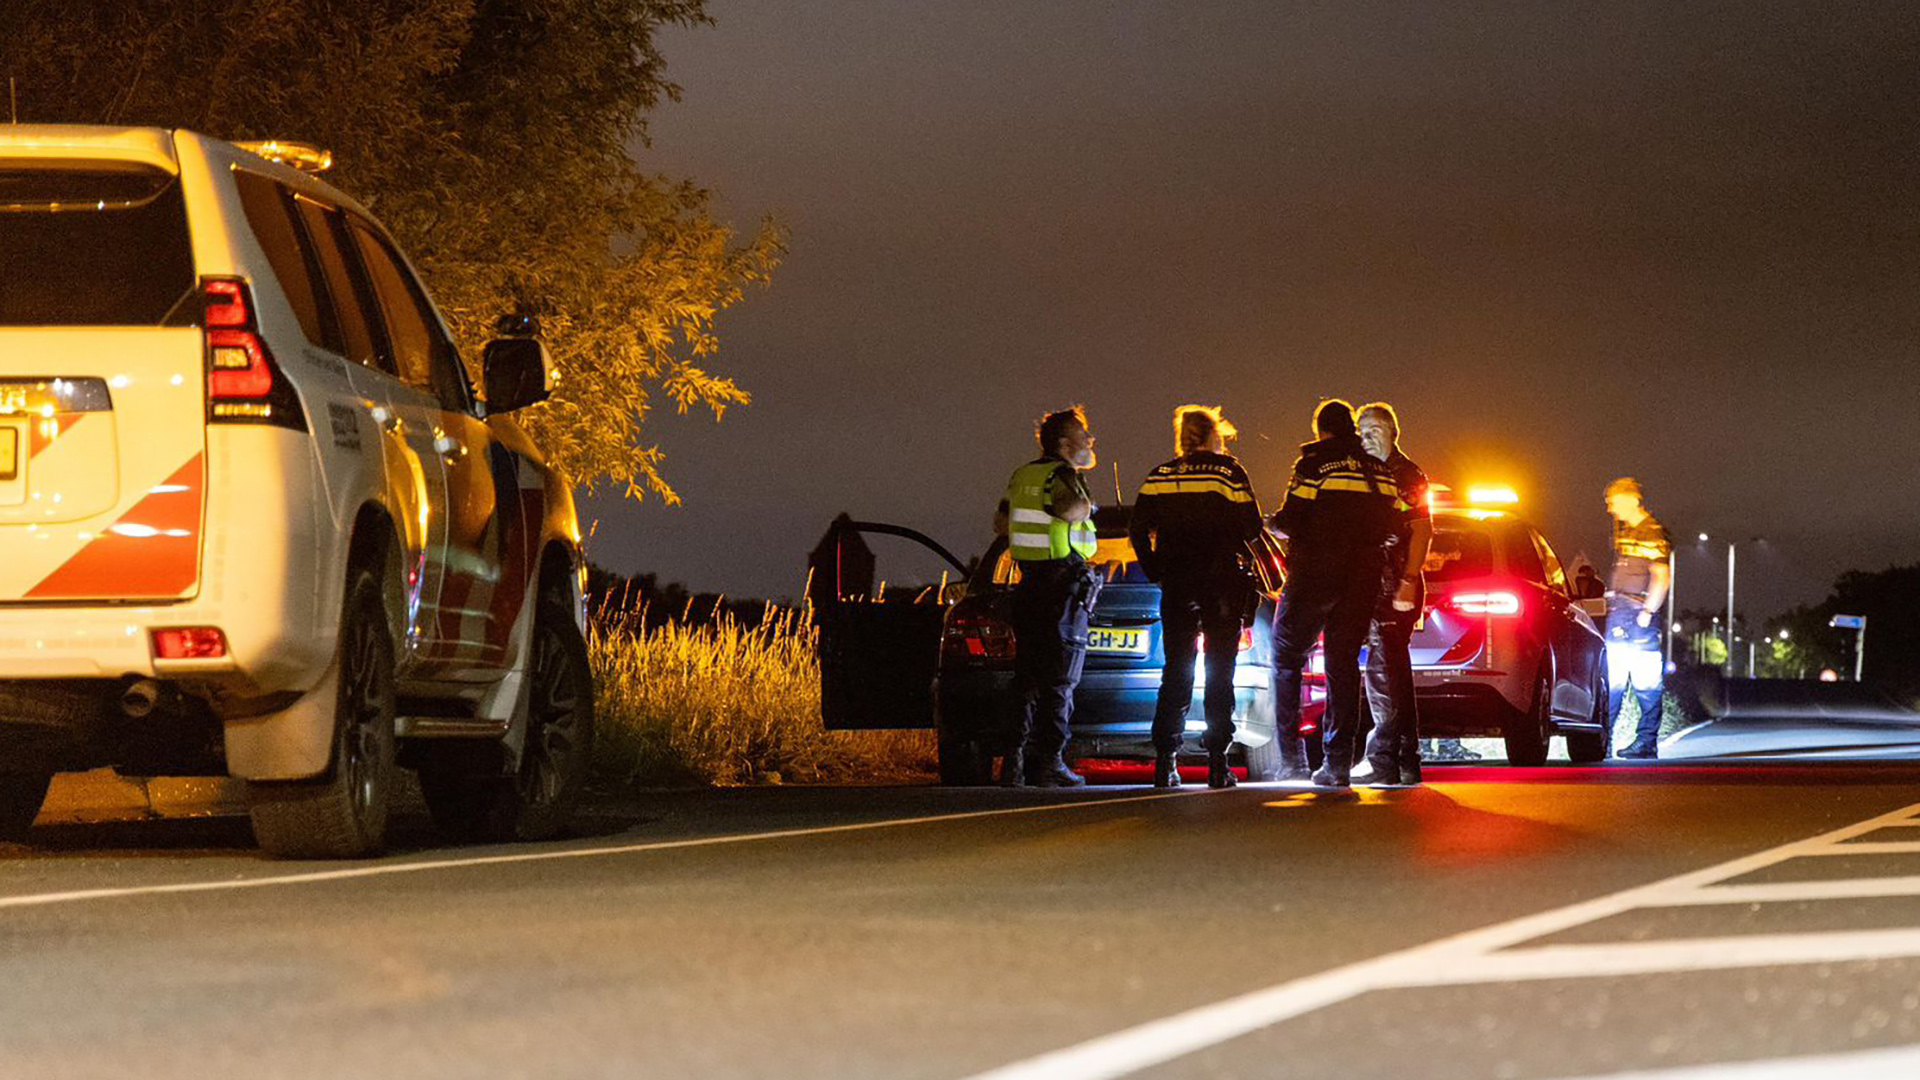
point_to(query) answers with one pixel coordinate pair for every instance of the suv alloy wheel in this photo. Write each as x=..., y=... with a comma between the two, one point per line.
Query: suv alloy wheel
x=343, y=814
x=1529, y=734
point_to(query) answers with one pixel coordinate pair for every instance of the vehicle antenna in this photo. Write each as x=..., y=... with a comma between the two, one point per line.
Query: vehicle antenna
x=1117, y=498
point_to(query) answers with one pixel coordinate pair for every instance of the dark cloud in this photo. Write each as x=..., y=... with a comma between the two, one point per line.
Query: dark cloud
x=1570, y=241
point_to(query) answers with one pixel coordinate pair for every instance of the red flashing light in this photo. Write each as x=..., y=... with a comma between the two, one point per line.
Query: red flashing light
x=1486, y=603
x=190, y=643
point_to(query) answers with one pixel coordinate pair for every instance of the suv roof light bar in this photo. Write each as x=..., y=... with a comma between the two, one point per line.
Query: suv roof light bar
x=306, y=157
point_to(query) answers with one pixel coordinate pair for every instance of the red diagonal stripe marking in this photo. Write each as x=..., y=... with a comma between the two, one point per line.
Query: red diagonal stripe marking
x=116, y=566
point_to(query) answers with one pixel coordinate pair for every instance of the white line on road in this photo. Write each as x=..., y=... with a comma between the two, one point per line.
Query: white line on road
x=418, y=866
x=1775, y=892
x=1898, y=1063
x=1158, y=1041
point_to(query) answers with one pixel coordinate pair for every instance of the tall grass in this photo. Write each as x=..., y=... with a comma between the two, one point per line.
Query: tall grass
x=722, y=703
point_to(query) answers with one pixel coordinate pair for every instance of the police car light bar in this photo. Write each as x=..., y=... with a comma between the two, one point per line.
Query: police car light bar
x=303, y=156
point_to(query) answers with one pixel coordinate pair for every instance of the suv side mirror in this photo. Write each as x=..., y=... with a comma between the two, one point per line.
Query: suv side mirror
x=518, y=373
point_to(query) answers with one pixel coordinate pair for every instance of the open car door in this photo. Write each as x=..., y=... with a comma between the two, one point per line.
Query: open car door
x=880, y=594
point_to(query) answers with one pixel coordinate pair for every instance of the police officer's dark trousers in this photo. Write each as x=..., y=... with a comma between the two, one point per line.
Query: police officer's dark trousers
x=1634, y=659
x=1051, y=606
x=1205, y=609
x=1332, y=591
x=1396, y=724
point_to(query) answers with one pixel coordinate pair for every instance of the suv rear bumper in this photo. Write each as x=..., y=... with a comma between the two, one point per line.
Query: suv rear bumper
x=260, y=584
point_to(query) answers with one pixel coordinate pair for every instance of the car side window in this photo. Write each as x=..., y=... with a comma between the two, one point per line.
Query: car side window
x=427, y=359
x=1556, y=574
x=351, y=298
x=269, y=210
x=1525, y=557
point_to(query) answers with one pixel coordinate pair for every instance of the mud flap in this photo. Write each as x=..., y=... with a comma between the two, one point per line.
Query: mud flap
x=295, y=743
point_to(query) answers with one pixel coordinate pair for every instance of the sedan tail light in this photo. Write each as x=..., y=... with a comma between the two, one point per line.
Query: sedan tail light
x=977, y=637
x=1486, y=603
x=1246, y=640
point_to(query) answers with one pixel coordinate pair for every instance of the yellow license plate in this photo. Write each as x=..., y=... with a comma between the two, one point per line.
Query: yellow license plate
x=1130, y=642
x=9, y=452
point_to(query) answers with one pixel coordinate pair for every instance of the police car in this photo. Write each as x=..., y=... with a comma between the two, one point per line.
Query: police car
x=1504, y=649
x=919, y=650
x=256, y=521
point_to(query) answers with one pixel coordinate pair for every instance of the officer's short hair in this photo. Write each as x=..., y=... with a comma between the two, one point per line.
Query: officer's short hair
x=1626, y=485
x=1333, y=417
x=1055, y=425
x=1194, y=425
x=1382, y=410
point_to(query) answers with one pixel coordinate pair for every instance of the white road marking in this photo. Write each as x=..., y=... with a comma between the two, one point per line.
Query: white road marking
x=1494, y=948
x=1885, y=847
x=1683, y=954
x=419, y=866
x=1774, y=892
x=1898, y=1063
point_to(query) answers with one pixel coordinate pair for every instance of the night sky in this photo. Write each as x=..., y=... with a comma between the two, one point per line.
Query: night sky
x=1569, y=241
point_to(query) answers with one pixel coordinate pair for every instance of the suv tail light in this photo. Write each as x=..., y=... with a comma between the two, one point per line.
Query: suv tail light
x=977, y=637
x=243, y=384
x=1486, y=603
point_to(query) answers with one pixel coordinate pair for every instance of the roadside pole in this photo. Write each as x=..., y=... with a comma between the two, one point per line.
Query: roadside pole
x=1857, y=624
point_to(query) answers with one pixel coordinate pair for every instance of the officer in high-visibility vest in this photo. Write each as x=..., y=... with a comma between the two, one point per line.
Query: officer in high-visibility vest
x=1047, y=517
x=1637, y=592
x=1189, y=529
x=1340, y=508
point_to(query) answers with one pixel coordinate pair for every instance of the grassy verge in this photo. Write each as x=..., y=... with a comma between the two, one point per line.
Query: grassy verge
x=719, y=703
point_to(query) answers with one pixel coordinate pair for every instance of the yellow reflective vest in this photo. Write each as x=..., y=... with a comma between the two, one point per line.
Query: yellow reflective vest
x=1033, y=533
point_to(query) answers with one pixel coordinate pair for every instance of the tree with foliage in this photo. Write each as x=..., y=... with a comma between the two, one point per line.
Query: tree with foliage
x=495, y=138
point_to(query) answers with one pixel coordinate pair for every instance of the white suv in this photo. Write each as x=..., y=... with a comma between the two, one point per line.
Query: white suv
x=254, y=520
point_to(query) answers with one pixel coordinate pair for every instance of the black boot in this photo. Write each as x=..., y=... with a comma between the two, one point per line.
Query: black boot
x=1013, y=769
x=1385, y=773
x=1166, y=771
x=1328, y=777
x=1218, y=774
x=1643, y=749
x=1293, y=760
x=1057, y=774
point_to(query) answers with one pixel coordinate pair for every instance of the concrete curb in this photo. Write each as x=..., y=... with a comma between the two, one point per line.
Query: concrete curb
x=103, y=795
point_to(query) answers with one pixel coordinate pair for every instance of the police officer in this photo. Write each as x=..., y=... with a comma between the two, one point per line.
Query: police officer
x=1638, y=590
x=1189, y=527
x=1394, y=750
x=1341, y=506
x=1047, y=517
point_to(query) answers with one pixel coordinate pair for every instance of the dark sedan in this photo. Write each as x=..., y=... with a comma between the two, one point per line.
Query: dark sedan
x=940, y=654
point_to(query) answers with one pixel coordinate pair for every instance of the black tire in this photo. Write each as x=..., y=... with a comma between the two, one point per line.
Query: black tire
x=1263, y=761
x=470, y=801
x=21, y=795
x=1588, y=747
x=964, y=762
x=1529, y=734
x=343, y=813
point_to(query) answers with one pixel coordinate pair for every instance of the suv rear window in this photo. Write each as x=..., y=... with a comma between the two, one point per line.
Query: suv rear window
x=106, y=242
x=1456, y=554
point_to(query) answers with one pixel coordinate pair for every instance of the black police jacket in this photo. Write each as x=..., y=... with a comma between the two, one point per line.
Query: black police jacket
x=1341, y=500
x=1193, y=518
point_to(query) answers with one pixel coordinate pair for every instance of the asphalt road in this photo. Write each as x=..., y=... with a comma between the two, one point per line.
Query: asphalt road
x=919, y=932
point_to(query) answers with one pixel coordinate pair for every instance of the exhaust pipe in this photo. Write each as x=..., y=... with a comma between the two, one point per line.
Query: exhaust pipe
x=139, y=699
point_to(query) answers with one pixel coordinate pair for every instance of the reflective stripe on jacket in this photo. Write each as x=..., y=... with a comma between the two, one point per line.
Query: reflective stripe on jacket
x=1033, y=533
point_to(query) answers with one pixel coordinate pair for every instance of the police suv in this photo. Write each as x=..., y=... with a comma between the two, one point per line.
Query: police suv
x=254, y=520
